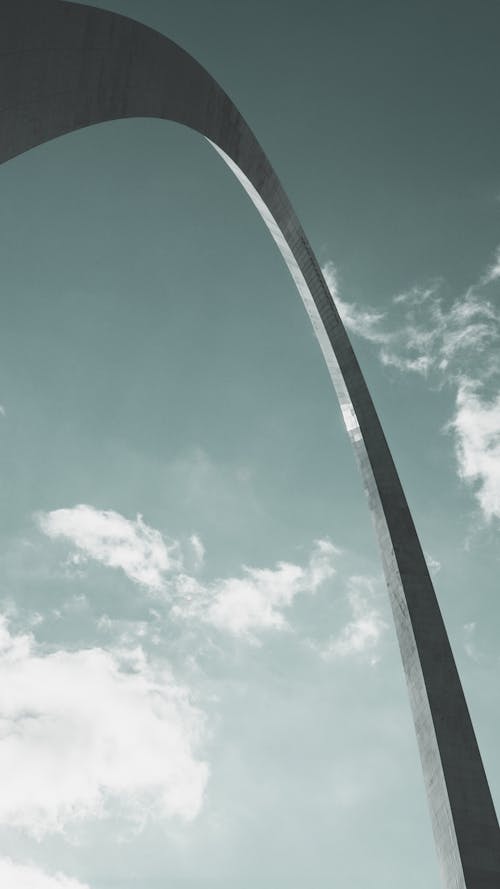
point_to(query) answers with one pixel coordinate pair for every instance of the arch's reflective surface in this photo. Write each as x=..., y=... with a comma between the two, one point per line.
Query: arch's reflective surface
x=63, y=67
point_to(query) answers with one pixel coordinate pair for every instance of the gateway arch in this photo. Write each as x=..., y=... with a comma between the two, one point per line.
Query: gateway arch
x=64, y=66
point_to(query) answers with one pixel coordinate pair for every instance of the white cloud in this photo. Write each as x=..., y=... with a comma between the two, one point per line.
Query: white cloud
x=198, y=550
x=444, y=339
x=255, y=601
x=22, y=876
x=415, y=295
x=365, y=322
x=420, y=365
x=434, y=565
x=493, y=272
x=470, y=641
x=80, y=730
x=424, y=333
x=362, y=634
x=477, y=440
x=113, y=540
x=2, y=411
x=454, y=342
x=238, y=605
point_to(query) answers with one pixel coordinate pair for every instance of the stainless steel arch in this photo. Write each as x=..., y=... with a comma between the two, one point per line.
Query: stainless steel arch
x=64, y=66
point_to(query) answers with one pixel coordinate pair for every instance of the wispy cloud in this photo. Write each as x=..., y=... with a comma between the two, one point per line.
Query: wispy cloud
x=117, y=542
x=434, y=565
x=493, y=271
x=367, y=323
x=454, y=342
x=27, y=876
x=81, y=729
x=470, y=641
x=424, y=332
x=198, y=550
x=3, y=412
x=362, y=634
x=257, y=600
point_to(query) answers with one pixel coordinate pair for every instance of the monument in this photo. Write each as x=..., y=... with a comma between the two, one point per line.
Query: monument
x=64, y=66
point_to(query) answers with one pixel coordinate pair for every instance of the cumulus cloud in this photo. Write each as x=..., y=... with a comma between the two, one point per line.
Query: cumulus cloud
x=477, y=440
x=23, y=876
x=81, y=730
x=242, y=606
x=115, y=541
x=363, y=632
x=257, y=600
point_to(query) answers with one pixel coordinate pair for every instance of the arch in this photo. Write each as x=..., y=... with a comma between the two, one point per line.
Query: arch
x=64, y=66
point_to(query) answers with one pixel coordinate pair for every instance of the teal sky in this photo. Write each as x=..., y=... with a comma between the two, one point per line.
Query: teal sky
x=201, y=679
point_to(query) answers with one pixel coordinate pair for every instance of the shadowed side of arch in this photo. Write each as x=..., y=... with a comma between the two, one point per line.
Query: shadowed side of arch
x=63, y=67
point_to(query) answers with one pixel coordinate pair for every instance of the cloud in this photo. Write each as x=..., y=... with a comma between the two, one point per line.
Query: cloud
x=477, y=442
x=240, y=606
x=424, y=333
x=255, y=601
x=493, y=271
x=113, y=540
x=198, y=550
x=365, y=322
x=362, y=634
x=243, y=606
x=455, y=343
x=470, y=641
x=22, y=876
x=81, y=730
x=434, y=337
x=434, y=565
x=3, y=412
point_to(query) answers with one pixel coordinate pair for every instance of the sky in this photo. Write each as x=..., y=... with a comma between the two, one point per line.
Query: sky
x=201, y=683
